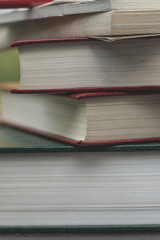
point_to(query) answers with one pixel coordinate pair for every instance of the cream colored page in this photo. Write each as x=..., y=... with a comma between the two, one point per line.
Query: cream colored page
x=136, y=4
x=135, y=22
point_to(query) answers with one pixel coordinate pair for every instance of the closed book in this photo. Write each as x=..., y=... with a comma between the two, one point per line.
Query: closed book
x=110, y=26
x=14, y=140
x=82, y=64
x=71, y=7
x=48, y=186
x=56, y=8
x=101, y=118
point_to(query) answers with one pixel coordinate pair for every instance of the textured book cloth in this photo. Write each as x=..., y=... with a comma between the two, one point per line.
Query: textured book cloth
x=81, y=232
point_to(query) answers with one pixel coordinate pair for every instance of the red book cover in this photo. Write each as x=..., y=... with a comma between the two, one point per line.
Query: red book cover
x=78, y=96
x=22, y=3
x=87, y=90
x=39, y=41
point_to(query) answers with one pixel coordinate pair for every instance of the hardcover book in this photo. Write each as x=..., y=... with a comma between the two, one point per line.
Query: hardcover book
x=88, y=118
x=67, y=65
x=14, y=140
x=46, y=186
x=107, y=25
x=71, y=7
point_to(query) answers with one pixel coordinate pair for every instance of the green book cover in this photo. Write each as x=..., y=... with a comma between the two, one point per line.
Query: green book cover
x=9, y=69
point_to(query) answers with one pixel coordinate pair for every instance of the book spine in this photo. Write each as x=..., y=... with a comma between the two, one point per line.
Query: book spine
x=21, y=3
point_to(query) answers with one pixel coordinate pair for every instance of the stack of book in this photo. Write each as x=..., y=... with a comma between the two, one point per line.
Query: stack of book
x=80, y=139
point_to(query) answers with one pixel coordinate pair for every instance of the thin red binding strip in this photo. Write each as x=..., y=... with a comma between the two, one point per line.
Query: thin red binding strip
x=22, y=3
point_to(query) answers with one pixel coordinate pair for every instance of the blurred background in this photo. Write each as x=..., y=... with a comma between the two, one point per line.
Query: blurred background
x=9, y=66
x=9, y=62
